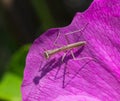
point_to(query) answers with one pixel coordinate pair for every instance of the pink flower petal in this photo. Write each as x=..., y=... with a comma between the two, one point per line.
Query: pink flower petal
x=96, y=77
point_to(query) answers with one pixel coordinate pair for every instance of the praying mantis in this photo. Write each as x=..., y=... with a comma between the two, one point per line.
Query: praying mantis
x=64, y=48
x=49, y=53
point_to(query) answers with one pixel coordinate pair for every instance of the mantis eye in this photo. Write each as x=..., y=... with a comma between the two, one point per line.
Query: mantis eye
x=46, y=55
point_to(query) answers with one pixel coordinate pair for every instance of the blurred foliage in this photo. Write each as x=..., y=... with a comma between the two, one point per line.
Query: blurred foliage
x=43, y=12
x=17, y=61
x=12, y=78
x=21, y=21
x=10, y=87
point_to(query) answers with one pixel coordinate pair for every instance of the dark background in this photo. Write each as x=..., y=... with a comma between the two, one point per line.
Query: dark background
x=21, y=22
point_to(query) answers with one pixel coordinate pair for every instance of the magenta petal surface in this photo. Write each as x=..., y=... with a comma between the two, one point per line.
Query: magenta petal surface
x=95, y=76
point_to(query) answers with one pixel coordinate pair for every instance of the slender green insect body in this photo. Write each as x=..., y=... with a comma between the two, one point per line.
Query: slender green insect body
x=65, y=48
x=49, y=53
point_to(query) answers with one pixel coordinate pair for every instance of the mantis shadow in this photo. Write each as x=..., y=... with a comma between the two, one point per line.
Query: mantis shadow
x=54, y=63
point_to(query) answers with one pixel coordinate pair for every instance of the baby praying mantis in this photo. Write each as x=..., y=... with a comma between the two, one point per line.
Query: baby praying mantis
x=67, y=48
x=49, y=53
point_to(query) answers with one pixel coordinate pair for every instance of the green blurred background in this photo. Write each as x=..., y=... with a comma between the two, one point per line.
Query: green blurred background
x=21, y=22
